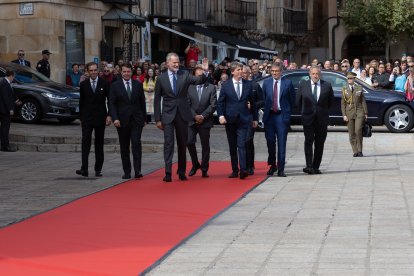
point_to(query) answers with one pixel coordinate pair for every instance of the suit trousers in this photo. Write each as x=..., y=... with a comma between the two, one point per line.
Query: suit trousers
x=4, y=130
x=181, y=132
x=314, y=134
x=276, y=129
x=86, y=145
x=236, y=136
x=130, y=135
x=250, y=146
x=355, y=133
x=204, y=133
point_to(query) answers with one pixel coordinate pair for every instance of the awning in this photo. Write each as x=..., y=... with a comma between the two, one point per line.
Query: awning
x=245, y=49
x=117, y=14
x=123, y=2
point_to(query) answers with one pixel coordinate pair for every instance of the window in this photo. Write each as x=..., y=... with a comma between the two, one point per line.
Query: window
x=75, y=43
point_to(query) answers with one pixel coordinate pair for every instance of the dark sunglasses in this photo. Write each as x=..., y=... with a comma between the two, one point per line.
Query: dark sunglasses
x=344, y=66
x=21, y=54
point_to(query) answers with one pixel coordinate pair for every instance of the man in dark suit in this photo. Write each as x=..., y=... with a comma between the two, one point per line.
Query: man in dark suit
x=20, y=59
x=6, y=109
x=94, y=94
x=314, y=99
x=279, y=97
x=128, y=112
x=202, y=100
x=234, y=113
x=172, y=87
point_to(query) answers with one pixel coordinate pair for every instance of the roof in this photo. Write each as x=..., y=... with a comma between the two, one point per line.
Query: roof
x=117, y=14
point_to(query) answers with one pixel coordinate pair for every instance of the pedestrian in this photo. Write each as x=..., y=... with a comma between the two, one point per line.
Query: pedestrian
x=202, y=99
x=74, y=76
x=94, y=116
x=128, y=112
x=409, y=84
x=43, y=66
x=279, y=100
x=234, y=113
x=314, y=100
x=354, y=111
x=7, y=103
x=149, y=86
x=21, y=60
x=192, y=52
x=175, y=114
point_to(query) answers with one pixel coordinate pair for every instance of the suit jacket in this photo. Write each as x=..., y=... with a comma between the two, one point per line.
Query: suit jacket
x=6, y=97
x=92, y=106
x=233, y=108
x=310, y=109
x=353, y=104
x=205, y=106
x=171, y=103
x=286, y=98
x=124, y=109
x=26, y=62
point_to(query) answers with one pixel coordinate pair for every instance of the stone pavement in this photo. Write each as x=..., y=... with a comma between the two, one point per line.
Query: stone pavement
x=354, y=219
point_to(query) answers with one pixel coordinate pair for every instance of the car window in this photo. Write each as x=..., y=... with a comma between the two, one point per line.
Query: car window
x=337, y=82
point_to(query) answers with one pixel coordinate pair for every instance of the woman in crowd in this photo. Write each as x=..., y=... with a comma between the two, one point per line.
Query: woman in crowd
x=409, y=85
x=137, y=74
x=398, y=79
x=364, y=77
x=149, y=85
x=372, y=74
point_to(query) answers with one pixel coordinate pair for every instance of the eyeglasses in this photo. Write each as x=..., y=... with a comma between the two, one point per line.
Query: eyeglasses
x=412, y=66
x=106, y=70
x=343, y=66
x=255, y=63
x=21, y=54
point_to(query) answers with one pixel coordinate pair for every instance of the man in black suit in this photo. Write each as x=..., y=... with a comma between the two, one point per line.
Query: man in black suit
x=6, y=109
x=202, y=99
x=94, y=94
x=128, y=112
x=233, y=110
x=314, y=99
x=172, y=87
x=20, y=59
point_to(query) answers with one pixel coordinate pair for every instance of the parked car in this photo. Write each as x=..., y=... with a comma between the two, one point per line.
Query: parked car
x=41, y=97
x=385, y=107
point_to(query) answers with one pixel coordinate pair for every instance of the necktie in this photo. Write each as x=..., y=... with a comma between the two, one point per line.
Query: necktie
x=22, y=62
x=93, y=86
x=352, y=89
x=275, y=98
x=199, y=91
x=238, y=90
x=315, y=91
x=174, y=83
x=128, y=90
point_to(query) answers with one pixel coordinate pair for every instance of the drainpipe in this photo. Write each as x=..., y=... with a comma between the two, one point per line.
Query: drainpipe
x=333, y=30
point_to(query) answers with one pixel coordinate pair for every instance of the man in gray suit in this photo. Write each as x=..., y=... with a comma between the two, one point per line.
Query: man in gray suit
x=202, y=100
x=172, y=87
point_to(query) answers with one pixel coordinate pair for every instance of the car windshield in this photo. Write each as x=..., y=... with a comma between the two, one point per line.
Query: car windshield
x=28, y=75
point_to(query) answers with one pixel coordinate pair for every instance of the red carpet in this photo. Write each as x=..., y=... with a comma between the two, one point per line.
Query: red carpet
x=122, y=230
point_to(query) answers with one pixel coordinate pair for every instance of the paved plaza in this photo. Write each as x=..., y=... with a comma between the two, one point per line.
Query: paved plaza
x=354, y=219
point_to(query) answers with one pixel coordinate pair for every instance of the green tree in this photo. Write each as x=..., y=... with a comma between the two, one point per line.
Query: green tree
x=385, y=20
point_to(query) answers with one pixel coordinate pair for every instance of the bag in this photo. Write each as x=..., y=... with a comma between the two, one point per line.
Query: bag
x=367, y=130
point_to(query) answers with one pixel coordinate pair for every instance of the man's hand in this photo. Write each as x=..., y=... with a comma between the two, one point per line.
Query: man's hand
x=248, y=105
x=11, y=112
x=255, y=124
x=117, y=123
x=205, y=64
x=345, y=118
x=108, y=120
x=222, y=120
x=199, y=119
x=159, y=125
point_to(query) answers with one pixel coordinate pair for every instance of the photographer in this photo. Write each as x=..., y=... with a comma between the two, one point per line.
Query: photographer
x=192, y=51
x=397, y=79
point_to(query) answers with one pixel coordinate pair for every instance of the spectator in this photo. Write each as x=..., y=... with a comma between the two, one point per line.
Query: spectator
x=74, y=76
x=149, y=85
x=138, y=75
x=20, y=59
x=382, y=80
x=409, y=84
x=345, y=66
x=404, y=68
x=191, y=65
x=314, y=61
x=255, y=70
x=356, y=67
x=107, y=75
x=292, y=66
x=336, y=66
x=372, y=74
x=398, y=79
x=363, y=77
x=192, y=52
x=388, y=68
x=327, y=65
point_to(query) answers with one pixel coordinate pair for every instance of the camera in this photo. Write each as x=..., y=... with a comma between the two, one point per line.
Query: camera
x=192, y=42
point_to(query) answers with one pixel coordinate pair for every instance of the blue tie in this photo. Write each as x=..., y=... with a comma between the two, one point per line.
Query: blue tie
x=175, y=83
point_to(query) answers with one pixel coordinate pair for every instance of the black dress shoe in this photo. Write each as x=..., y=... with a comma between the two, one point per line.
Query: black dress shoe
x=167, y=178
x=82, y=172
x=8, y=149
x=355, y=154
x=233, y=175
x=182, y=177
x=194, y=169
x=98, y=173
x=272, y=170
x=360, y=154
x=317, y=171
x=243, y=174
x=281, y=174
x=308, y=170
x=126, y=176
x=250, y=171
x=204, y=174
x=138, y=175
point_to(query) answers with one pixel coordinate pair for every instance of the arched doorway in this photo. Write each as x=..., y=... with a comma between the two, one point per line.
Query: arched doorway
x=363, y=47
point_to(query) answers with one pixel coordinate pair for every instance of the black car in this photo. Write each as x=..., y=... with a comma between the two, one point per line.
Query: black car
x=385, y=107
x=41, y=97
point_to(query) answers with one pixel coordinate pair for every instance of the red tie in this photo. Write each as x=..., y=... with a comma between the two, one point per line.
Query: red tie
x=275, y=98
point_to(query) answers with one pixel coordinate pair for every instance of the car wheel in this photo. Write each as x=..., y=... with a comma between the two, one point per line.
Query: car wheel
x=399, y=118
x=29, y=111
x=66, y=120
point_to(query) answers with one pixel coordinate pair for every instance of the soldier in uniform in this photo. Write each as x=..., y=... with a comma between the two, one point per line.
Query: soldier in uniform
x=43, y=66
x=354, y=111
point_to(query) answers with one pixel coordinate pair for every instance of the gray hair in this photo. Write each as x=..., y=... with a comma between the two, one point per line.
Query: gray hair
x=234, y=65
x=170, y=55
x=315, y=67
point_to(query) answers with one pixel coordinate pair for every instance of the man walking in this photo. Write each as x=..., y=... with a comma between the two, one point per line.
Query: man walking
x=128, y=111
x=279, y=97
x=6, y=109
x=314, y=99
x=202, y=99
x=94, y=93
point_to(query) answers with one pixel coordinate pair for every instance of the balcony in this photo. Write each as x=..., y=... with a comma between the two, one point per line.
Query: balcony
x=287, y=21
x=241, y=14
x=184, y=10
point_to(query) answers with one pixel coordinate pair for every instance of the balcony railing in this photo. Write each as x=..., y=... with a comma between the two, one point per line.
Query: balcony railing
x=287, y=21
x=188, y=10
x=241, y=14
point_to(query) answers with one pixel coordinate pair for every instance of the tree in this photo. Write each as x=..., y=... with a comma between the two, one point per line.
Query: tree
x=386, y=20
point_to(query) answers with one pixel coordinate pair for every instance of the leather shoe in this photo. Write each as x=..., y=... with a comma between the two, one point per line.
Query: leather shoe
x=272, y=170
x=281, y=174
x=98, y=173
x=308, y=170
x=250, y=171
x=167, y=178
x=204, y=174
x=182, y=177
x=138, y=175
x=126, y=176
x=355, y=154
x=243, y=174
x=233, y=175
x=317, y=171
x=82, y=172
x=8, y=149
x=360, y=154
x=193, y=170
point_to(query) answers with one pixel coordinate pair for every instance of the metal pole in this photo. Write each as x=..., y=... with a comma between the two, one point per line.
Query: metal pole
x=130, y=33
